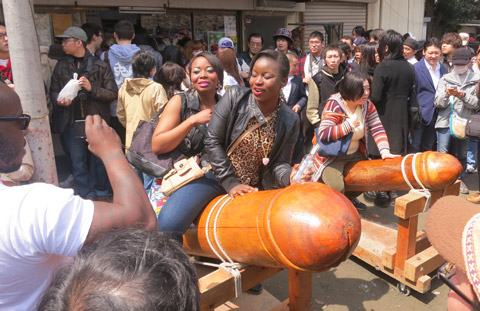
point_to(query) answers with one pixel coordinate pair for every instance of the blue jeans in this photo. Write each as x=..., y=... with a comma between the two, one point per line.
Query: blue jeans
x=185, y=204
x=472, y=152
x=461, y=146
x=424, y=138
x=146, y=180
x=80, y=155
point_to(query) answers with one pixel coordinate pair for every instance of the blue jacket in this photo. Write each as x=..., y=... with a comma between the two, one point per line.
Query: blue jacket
x=426, y=89
x=297, y=96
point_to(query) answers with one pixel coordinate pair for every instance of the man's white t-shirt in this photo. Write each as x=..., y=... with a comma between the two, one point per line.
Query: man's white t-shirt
x=41, y=228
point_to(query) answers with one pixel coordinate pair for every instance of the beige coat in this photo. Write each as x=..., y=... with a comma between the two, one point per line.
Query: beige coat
x=138, y=99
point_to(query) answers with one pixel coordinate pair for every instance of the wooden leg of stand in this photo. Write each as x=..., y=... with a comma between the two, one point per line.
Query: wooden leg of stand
x=300, y=290
x=406, y=241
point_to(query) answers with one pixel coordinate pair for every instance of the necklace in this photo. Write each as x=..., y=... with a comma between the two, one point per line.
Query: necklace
x=265, y=159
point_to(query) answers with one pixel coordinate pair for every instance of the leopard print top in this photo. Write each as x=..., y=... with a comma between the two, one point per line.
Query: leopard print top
x=247, y=158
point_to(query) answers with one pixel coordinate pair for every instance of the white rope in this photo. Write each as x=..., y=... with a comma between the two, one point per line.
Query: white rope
x=231, y=267
x=424, y=191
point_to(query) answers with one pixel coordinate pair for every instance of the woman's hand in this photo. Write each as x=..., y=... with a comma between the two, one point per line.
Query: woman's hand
x=455, y=92
x=307, y=176
x=202, y=117
x=388, y=155
x=241, y=190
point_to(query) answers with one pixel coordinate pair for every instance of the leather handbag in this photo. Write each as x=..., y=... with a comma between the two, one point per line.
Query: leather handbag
x=473, y=127
x=183, y=172
x=414, y=112
x=141, y=156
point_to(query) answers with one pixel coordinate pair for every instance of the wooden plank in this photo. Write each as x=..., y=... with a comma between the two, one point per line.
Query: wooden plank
x=409, y=205
x=283, y=307
x=422, y=263
x=300, y=290
x=406, y=238
x=388, y=254
x=218, y=287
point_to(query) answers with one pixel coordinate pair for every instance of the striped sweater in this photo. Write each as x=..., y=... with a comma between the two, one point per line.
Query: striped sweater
x=335, y=125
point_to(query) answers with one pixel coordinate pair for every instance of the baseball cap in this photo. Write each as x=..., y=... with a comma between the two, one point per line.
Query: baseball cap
x=226, y=42
x=74, y=32
x=453, y=228
x=461, y=56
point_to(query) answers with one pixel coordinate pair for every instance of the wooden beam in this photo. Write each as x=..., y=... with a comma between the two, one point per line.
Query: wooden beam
x=218, y=287
x=388, y=254
x=407, y=233
x=282, y=307
x=422, y=263
x=300, y=290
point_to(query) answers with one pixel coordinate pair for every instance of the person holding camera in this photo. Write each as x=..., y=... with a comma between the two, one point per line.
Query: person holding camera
x=98, y=89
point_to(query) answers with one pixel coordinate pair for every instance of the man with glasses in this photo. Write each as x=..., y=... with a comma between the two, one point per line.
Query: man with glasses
x=5, y=63
x=98, y=89
x=312, y=63
x=255, y=45
x=94, y=37
x=41, y=225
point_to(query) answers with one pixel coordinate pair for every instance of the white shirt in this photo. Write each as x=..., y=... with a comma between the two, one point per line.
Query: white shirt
x=412, y=60
x=358, y=132
x=287, y=89
x=228, y=81
x=434, y=74
x=41, y=228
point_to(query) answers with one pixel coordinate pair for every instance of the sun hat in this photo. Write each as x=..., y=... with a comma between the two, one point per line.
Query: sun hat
x=453, y=228
x=461, y=56
x=74, y=32
x=412, y=43
x=465, y=37
x=283, y=33
x=226, y=42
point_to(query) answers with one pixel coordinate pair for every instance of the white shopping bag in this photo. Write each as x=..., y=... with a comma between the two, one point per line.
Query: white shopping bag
x=70, y=90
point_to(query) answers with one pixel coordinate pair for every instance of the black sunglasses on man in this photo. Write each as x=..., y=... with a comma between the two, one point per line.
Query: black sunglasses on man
x=23, y=119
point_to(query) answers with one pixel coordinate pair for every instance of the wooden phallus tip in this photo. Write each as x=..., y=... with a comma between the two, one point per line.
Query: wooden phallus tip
x=435, y=170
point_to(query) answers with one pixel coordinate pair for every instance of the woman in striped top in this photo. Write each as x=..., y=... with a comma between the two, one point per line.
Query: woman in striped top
x=350, y=112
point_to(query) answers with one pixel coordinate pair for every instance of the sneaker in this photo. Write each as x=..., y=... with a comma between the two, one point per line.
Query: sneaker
x=463, y=188
x=358, y=205
x=370, y=196
x=382, y=199
x=470, y=169
x=256, y=290
x=393, y=195
x=68, y=182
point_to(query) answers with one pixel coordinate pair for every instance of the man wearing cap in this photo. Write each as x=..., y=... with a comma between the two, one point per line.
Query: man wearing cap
x=453, y=228
x=42, y=226
x=410, y=48
x=98, y=89
x=456, y=96
x=283, y=40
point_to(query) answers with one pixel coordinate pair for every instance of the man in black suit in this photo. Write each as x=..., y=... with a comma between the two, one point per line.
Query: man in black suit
x=296, y=98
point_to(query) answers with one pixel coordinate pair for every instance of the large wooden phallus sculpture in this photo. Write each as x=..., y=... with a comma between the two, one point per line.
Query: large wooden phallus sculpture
x=307, y=227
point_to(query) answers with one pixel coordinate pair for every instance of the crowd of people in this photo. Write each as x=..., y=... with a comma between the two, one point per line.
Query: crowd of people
x=247, y=119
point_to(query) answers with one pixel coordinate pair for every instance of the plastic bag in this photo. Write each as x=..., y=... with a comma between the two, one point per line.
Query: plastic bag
x=70, y=90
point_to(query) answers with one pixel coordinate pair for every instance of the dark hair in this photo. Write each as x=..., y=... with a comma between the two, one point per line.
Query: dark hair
x=279, y=58
x=316, y=34
x=172, y=54
x=126, y=269
x=394, y=41
x=171, y=76
x=141, y=36
x=368, y=54
x=377, y=34
x=183, y=41
x=124, y=30
x=351, y=86
x=332, y=47
x=3, y=24
x=347, y=38
x=189, y=47
x=142, y=64
x=432, y=42
x=452, y=38
x=359, y=31
x=91, y=29
x=213, y=60
x=345, y=47
x=255, y=35
x=228, y=57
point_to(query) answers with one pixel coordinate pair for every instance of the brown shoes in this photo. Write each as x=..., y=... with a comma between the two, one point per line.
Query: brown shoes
x=475, y=198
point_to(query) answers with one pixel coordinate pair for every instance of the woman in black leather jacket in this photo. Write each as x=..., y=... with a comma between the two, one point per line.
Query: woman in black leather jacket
x=261, y=158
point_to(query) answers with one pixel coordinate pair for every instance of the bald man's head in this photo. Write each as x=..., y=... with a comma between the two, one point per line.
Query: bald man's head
x=12, y=137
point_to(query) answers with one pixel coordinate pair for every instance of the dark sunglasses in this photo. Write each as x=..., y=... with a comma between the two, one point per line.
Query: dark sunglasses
x=444, y=274
x=24, y=120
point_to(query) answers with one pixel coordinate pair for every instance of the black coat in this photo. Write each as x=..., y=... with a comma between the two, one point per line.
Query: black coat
x=393, y=85
x=297, y=96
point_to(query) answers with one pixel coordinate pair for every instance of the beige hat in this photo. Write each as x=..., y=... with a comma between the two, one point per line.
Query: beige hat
x=465, y=37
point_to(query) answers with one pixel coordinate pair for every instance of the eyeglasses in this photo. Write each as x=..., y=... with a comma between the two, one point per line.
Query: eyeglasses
x=24, y=120
x=3, y=35
x=255, y=44
x=444, y=274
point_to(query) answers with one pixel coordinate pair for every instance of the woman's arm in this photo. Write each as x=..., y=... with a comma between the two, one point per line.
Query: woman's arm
x=378, y=132
x=441, y=96
x=281, y=167
x=334, y=125
x=470, y=99
x=170, y=131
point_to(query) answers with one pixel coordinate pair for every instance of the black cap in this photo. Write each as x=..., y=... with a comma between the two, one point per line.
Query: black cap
x=412, y=43
x=461, y=56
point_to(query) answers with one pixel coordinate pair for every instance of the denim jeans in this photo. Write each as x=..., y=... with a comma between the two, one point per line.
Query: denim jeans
x=81, y=171
x=146, y=180
x=424, y=138
x=472, y=152
x=461, y=146
x=185, y=204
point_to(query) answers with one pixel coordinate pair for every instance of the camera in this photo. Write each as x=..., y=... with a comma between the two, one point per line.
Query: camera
x=82, y=94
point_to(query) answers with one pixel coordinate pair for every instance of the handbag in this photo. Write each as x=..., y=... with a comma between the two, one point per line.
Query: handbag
x=334, y=148
x=186, y=170
x=414, y=111
x=457, y=124
x=473, y=127
x=141, y=156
